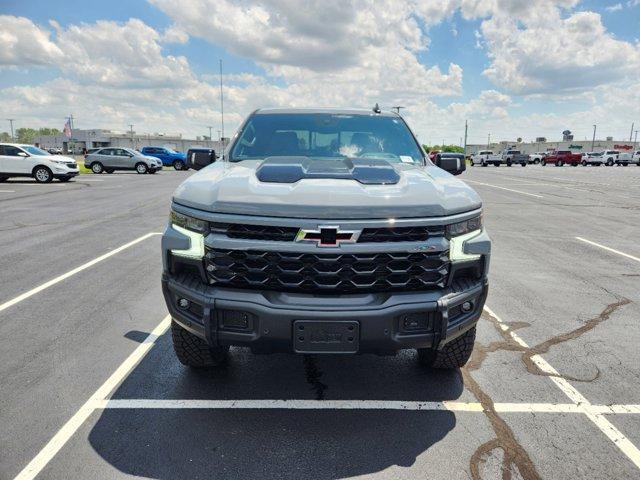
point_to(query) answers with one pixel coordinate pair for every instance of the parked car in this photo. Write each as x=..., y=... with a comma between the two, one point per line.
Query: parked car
x=55, y=151
x=110, y=159
x=636, y=158
x=592, y=158
x=377, y=252
x=624, y=158
x=486, y=157
x=514, y=156
x=537, y=157
x=17, y=160
x=562, y=157
x=198, y=158
x=177, y=160
x=610, y=157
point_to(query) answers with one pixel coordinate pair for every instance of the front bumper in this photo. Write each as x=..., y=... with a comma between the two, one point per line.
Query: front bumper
x=264, y=321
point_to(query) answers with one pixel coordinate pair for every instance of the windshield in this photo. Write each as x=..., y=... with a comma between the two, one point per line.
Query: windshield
x=31, y=150
x=326, y=136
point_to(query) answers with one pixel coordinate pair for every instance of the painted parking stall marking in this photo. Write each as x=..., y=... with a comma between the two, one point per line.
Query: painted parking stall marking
x=609, y=249
x=70, y=273
x=505, y=188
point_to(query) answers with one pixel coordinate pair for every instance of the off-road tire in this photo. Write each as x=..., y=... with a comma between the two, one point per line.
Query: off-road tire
x=195, y=352
x=453, y=355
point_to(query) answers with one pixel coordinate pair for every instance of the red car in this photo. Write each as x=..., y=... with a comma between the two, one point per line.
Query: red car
x=562, y=157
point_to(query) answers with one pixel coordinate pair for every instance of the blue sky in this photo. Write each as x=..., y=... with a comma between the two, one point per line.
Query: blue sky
x=513, y=68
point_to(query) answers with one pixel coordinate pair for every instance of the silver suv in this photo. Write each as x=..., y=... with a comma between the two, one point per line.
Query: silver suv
x=109, y=159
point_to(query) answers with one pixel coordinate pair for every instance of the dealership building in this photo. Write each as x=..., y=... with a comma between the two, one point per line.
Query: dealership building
x=542, y=145
x=82, y=140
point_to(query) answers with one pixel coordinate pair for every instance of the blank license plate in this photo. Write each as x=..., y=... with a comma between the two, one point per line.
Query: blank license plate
x=312, y=336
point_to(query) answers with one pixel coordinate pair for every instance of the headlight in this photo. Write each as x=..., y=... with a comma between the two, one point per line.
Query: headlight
x=462, y=228
x=189, y=223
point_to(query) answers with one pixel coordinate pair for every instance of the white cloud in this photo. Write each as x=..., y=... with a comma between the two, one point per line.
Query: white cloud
x=174, y=34
x=614, y=8
x=24, y=43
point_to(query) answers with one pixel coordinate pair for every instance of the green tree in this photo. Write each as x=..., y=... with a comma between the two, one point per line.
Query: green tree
x=27, y=134
x=5, y=137
x=444, y=148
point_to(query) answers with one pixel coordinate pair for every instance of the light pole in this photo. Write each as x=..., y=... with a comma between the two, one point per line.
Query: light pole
x=210, y=139
x=131, y=133
x=466, y=129
x=488, y=141
x=593, y=141
x=635, y=141
x=11, y=123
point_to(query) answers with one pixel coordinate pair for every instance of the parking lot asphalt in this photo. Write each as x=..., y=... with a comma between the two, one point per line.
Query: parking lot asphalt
x=90, y=387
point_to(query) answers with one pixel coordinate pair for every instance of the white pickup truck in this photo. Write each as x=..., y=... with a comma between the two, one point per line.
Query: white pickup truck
x=486, y=157
x=615, y=157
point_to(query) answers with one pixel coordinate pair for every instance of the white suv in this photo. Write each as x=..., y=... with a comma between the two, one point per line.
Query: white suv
x=28, y=161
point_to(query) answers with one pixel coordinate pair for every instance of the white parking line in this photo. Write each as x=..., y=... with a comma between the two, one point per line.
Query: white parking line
x=63, y=435
x=270, y=404
x=7, y=191
x=505, y=188
x=608, y=249
x=605, y=426
x=70, y=273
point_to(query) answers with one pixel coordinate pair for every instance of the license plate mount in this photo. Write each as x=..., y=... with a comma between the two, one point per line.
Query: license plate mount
x=315, y=336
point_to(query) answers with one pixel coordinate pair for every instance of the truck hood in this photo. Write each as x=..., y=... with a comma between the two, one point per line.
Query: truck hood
x=234, y=188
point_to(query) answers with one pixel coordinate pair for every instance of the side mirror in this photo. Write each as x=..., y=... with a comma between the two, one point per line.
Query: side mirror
x=454, y=165
x=23, y=154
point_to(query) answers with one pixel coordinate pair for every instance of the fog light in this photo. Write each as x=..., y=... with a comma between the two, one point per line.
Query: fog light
x=183, y=303
x=467, y=306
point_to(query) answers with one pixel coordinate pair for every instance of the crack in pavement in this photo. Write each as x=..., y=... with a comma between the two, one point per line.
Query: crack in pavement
x=313, y=374
x=508, y=344
x=515, y=456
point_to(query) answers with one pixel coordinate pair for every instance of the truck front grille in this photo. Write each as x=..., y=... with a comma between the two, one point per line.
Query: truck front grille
x=288, y=234
x=327, y=273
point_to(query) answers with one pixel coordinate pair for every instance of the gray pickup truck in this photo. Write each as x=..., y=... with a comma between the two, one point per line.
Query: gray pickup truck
x=325, y=231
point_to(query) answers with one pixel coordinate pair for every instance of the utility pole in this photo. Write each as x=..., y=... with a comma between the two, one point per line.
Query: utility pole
x=397, y=109
x=210, y=138
x=631, y=134
x=635, y=141
x=593, y=141
x=133, y=145
x=466, y=128
x=11, y=123
x=489, y=142
x=221, y=107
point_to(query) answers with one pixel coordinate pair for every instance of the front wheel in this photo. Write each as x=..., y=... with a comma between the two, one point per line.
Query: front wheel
x=97, y=167
x=194, y=351
x=584, y=163
x=484, y=164
x=543, y=162
x=453, y=355
x=523, y=164
x=142, y=168
x=609, y=162
x=536, y=161
x=42, y=175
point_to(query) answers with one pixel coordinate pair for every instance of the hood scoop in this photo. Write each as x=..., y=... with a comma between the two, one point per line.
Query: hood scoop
x=292, y=169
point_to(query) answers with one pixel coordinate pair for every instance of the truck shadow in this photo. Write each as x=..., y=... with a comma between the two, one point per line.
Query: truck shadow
x=232, y=443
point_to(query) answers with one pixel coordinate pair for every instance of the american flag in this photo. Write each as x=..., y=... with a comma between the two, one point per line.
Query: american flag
x=67, y=129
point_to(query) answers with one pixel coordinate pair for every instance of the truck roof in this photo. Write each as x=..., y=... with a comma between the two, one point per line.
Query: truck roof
x=338, y=111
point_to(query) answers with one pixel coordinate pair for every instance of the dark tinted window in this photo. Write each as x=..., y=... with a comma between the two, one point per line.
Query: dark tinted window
x=326, y=135
x=11, y=151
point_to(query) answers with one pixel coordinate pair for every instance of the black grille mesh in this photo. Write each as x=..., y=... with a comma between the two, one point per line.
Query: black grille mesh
x=288, y=234
x=327, y=273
